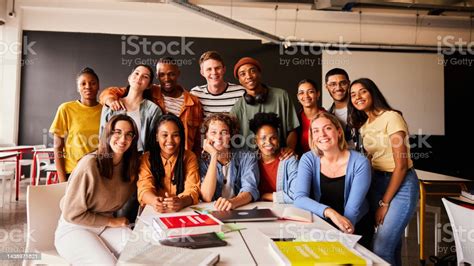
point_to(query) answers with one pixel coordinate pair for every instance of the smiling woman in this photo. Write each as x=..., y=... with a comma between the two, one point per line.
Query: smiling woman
x=394, y=193
x=102, y=182
x=136, y=102
x=333, y=181
x=169, y=174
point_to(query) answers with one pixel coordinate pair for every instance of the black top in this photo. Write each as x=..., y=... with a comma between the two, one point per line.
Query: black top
x=332, y=192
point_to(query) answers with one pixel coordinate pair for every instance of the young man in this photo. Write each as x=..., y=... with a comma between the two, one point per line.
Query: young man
x=260, y=98
x=217, y=96
x=171, y=98
x=338, y=83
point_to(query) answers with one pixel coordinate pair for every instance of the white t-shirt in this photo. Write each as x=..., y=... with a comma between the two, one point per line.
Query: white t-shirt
x=341, y=114
x=135, y=115
x=227, y=189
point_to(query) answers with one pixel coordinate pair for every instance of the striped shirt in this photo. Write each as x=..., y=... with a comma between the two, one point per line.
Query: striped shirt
x=218, y=103
x=174, y=105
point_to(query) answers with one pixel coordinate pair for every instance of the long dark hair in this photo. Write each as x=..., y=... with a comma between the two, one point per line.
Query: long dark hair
x=105, y=152
x=147, y=94
x=157, y=168
x=379, y=103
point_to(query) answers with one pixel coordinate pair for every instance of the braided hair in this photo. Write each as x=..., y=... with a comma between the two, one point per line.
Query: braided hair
x=157, y=168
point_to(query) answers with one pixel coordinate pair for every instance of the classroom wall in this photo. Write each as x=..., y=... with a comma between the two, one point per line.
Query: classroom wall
x=50, y=79
x=146, y=18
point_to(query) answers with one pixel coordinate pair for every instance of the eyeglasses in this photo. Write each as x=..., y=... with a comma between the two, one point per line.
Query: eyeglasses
x=341, y=83
x=119, y=133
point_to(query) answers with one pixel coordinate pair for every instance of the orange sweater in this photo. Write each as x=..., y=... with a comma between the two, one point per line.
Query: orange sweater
x=192, y=183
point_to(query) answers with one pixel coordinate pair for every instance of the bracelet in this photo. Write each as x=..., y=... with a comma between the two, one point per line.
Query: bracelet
x=383, y=204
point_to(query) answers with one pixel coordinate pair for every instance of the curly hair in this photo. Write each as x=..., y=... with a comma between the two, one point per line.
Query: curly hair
x=230, y=121
x=264, y=119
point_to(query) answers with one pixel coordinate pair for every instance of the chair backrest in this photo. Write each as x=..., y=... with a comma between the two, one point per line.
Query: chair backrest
x=7, y=167
x=462, y=223
x=42, y=215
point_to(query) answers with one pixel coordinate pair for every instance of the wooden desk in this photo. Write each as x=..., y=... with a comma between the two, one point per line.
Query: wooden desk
x=428, y=178
x=21, y=150
x=247, y=247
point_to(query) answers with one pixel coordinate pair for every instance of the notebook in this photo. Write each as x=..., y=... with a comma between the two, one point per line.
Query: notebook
x=253, y=215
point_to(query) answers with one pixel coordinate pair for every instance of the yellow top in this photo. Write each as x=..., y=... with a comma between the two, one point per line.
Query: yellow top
x=376, y=139
x=78, y=124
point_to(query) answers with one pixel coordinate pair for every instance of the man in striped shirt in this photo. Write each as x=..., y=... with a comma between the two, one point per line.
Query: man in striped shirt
x=217, y=96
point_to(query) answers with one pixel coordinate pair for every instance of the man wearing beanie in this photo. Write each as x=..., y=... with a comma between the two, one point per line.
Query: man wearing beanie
x=261, y=98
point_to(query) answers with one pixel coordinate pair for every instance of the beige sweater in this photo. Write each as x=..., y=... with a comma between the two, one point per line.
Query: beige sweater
x=91, y=199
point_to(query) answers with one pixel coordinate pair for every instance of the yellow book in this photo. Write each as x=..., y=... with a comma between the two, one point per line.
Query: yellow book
x=320, y=253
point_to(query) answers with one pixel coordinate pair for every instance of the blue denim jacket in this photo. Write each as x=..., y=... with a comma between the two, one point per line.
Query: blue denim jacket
x=243, y=174
x=357, y=183
x=286, y=181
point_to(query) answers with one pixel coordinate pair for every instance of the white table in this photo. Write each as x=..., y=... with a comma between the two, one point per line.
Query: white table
x=246, y=247
x=22, y=149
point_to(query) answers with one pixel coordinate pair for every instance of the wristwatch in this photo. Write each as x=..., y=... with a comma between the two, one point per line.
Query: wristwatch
x=383, y=204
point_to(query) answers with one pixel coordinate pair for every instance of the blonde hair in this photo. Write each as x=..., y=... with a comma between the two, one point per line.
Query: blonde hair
x=341, y=141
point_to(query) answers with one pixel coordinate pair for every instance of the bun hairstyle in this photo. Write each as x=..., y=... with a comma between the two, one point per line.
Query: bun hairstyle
x=264, y=119
x=87, y=70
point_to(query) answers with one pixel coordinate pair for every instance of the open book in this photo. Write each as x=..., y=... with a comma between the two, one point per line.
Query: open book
x=165, y=255
x=316, y=253
x=296, y=214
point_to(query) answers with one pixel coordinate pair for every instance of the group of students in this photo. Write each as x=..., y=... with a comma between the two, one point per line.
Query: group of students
x=150, y=152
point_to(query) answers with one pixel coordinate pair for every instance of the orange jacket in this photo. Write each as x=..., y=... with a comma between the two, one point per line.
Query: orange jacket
x=192, y=182
x=191, y=112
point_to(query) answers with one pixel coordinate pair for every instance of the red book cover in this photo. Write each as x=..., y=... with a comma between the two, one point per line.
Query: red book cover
x=188, y=221
x=186, y=225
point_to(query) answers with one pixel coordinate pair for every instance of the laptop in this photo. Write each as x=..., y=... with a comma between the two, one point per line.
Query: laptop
x=253, y=215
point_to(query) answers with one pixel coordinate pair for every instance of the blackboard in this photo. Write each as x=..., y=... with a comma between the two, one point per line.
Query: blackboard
x=52, y=60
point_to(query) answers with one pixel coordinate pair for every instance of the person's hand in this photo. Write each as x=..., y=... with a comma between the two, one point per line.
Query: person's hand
x=340, y=221
x=223, y=204
x=209, y=148
x=267, y=197
x=158, y=205
x=173, y=204
x=117, y=222
x=380, y=215
x=286, y=153
x=115, y=105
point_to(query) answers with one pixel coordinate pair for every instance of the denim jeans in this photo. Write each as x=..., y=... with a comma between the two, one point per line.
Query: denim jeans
x=387, y=240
